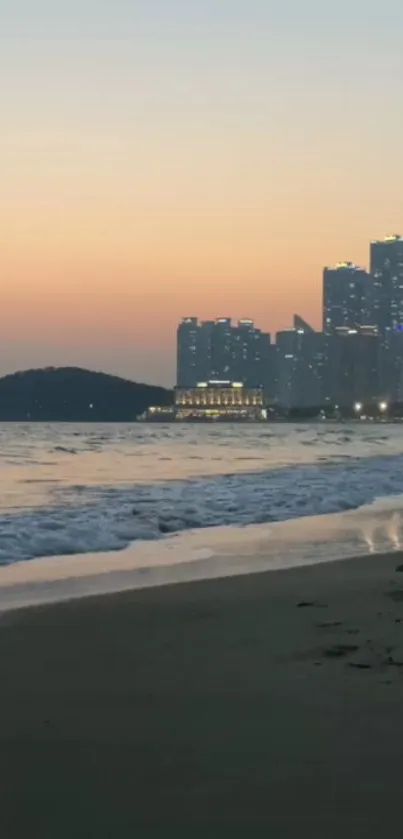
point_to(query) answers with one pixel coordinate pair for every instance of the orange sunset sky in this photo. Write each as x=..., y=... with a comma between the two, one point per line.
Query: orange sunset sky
x=162, y=159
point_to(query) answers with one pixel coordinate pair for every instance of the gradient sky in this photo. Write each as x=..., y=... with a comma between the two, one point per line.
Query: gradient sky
x=163, y=158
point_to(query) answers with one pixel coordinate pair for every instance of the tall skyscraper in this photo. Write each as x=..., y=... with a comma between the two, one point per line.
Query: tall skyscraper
x=286, y=365
x=391, y=365
x=186, y=363
x=221, y=349
x=250, y=354
x=204, y=350
x=218, y=350
x=353, y=366
x=300, y=366
x=346, y=297
x=387, y=282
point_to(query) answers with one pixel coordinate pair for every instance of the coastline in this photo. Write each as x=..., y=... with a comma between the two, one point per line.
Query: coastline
x=205, y=553
x=266, y=701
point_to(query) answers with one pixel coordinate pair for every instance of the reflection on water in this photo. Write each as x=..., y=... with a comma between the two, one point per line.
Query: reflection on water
x=70, y=489
x=37, y=458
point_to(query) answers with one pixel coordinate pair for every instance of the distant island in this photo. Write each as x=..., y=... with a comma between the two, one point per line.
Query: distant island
x=71, y=394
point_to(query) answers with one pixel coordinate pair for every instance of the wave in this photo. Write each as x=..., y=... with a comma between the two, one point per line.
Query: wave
x=88, y=519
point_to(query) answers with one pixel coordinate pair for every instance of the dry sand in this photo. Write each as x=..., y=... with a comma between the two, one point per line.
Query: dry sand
x=264, y=705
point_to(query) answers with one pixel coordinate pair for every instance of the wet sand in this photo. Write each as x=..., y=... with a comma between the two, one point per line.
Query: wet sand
x=264, y=705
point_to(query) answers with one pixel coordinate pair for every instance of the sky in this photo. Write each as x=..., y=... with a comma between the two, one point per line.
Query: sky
x=169, y=158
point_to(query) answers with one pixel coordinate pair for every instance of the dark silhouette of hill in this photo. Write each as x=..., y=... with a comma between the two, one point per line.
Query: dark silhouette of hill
x=70, y=394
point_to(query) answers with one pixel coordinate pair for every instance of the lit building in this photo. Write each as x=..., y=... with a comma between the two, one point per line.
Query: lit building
x=391, y=365
x=187, y=337
x=285, y=367
x=353, y=368
x=204, y=351
x=300, y=366
x=219, y=350
x=250, y=355
x=346, y=297
x=356, y=359
x=219, y=400
x=387, y=281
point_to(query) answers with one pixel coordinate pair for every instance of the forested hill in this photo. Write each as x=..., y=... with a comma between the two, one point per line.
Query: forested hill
x=70, y=394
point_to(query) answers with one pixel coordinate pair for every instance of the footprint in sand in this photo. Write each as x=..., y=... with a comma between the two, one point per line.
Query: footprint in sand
x=329, y=624
x=311, y=604
x=396, y=595
x=340, y=650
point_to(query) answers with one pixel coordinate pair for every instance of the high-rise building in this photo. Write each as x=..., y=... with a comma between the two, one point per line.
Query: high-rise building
x=286, y=363
x=217, y=350
x=250, y=354
x=300, y=366
x=346, y=297
x=387, y=283
x=391, y=365
x=204, y=350
x=221, y=350
x=353, y=366
x=187, y=373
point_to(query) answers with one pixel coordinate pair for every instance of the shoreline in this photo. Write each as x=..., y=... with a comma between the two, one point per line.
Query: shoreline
x=205, y=553
x=82, y=590
x=208, y=708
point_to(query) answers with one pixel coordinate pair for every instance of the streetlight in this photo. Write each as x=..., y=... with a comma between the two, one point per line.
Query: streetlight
x=383, y=407
x=358, y=407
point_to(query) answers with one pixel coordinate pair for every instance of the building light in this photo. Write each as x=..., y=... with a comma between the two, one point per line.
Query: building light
x=217, y=382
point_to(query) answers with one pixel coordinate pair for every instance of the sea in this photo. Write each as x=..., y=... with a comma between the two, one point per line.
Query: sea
x=173, y=494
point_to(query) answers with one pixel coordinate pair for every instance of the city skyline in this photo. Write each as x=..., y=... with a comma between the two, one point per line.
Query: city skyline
x=316, y=323
x=356, y=357
x=168, y=157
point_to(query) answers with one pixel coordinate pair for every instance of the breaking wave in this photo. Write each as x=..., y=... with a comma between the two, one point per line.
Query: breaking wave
x=91, y=519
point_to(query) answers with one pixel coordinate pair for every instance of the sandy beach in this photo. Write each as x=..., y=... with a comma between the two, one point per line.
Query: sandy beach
x=268, y=704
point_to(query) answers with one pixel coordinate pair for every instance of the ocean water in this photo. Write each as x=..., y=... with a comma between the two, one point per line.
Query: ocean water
x=77, y=489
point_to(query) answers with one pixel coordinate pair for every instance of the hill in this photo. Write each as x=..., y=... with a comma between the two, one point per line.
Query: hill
x=70, y=394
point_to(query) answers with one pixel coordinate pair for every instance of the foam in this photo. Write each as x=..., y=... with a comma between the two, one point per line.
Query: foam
x=89, y=519
x=207, y=554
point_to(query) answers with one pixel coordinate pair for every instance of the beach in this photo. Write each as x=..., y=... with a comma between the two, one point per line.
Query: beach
x=267, y=704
